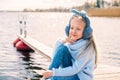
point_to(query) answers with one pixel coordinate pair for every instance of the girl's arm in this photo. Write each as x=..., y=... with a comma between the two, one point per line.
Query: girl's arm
x=77, y=66
x=59, y=42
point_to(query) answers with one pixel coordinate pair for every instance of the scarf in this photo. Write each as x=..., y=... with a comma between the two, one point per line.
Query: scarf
x=77, y=47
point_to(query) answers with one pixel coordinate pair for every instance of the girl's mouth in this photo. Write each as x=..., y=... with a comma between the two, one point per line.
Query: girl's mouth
x=74, y=35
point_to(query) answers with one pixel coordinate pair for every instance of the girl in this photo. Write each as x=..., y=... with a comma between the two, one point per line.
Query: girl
x=76, y=56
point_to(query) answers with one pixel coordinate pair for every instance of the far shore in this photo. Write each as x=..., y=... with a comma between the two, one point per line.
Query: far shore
x=93, y=12
x=104, y=12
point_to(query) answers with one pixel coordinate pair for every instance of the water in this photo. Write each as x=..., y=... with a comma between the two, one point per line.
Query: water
x=46, y=27
x=15, y=65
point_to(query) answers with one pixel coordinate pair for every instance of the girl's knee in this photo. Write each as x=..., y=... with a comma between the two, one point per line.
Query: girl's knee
x=64, y=48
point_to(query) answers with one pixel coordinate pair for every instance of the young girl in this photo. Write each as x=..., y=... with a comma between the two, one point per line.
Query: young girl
x=74, y=57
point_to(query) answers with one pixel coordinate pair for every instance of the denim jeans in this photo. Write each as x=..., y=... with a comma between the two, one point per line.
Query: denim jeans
x=62, y=58
x=74, y=77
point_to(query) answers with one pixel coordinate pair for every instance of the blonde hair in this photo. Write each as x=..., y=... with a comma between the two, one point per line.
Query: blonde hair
x=79, y=17
x=95, y=48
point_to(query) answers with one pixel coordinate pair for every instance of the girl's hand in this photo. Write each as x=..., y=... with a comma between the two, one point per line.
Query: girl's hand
x=47, y=74
x=68, y=40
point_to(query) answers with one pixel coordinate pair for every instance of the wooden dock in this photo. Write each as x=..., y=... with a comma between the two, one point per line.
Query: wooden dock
x=37, y=46
x=103, y=72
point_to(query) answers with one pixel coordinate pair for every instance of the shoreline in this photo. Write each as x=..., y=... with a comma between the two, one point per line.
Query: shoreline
x=93, y=12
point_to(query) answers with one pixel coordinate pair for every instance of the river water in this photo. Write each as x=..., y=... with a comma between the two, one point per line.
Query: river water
x=46, y=28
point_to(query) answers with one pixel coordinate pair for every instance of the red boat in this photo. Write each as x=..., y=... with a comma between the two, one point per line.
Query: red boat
x=21, y=46
x=15, y=41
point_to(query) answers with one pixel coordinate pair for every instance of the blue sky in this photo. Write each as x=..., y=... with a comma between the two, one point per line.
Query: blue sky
x=33, y=4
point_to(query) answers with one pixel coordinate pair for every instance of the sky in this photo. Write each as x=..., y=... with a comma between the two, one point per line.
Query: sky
x=33, y=4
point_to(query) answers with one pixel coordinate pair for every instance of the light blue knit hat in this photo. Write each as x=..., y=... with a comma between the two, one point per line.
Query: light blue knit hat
x=87, y=33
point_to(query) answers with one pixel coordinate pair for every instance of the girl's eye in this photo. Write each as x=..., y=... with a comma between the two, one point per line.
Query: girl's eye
x=71, y=27
x=78, y=29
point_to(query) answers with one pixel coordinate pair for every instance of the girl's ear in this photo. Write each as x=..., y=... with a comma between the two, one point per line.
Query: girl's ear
x=67, y=28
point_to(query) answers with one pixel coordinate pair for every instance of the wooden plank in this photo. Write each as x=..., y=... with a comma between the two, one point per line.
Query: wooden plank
x=37, y=46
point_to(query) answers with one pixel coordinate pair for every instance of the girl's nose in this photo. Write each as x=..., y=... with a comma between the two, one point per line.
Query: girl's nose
x=74, y=31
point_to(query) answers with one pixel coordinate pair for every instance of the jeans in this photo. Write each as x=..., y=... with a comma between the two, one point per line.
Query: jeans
x=74, y=77
x=62, y=58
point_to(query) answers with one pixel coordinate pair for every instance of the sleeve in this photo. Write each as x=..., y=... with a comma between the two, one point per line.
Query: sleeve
x=74, y=69
x=58, y=43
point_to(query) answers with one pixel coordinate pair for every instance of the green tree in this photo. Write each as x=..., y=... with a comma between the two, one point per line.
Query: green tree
x=98, y=3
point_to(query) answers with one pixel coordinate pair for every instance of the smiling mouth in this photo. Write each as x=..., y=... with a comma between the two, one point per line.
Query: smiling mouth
x=74, y=35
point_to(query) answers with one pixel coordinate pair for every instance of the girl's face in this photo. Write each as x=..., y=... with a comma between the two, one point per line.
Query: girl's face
x=76, y=28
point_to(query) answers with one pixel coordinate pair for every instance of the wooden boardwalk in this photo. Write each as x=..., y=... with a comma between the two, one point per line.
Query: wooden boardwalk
x=103, y=72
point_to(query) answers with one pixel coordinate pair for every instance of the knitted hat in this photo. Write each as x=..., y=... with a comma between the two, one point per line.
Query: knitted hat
x=87, y=33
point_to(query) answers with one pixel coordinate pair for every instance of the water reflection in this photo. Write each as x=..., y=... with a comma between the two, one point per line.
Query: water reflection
x=27, y=60
x=9, y=78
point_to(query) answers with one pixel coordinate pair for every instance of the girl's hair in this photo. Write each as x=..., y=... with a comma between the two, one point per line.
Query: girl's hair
x=92, y=42
x=78, y=16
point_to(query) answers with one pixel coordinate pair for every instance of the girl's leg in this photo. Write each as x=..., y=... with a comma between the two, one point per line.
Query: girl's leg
x=61, y=57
